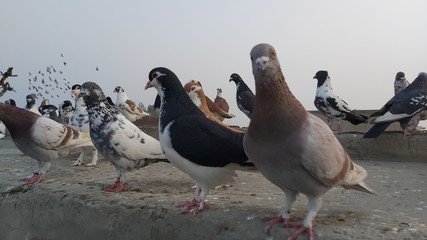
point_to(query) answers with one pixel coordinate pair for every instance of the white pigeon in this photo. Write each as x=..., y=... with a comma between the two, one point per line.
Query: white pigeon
x=40, y=137
x=292, y=148
x=125, y=145
x=79, y=120
x=128, y=107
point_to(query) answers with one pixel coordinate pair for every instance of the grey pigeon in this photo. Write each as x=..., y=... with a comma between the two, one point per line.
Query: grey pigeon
x=118, y=139
x=40, y=137
x=400, y=82
x=292, y=148
x=401, y=108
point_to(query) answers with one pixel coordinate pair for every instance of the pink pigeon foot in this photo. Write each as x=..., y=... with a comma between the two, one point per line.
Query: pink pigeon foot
x=192, y=206
x=36, y=178
x=273, y=220
x=301, y=230
x=118, y=186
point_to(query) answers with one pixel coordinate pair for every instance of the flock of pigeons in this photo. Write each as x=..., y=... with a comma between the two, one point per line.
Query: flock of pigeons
x=292, y=148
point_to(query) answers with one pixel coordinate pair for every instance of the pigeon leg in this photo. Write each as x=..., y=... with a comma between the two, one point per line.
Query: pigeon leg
x=284, y=212
x=79, y=160
x=314, y=204
x=36, y=178
x=118, y=186
x=196, y=205
x=94, y=158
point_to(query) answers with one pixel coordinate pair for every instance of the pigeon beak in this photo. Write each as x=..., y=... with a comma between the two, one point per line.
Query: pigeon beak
x=261, y=63
x=148, y=85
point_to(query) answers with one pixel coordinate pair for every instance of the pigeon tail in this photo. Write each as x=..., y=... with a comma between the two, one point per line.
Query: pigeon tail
x=362, y=187
x=376, y=130
x=356, y=118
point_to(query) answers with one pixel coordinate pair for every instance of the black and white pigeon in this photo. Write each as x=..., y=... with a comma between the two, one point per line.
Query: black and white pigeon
x=292, y=148
x=10, y=102
x=79, y=120
x=245, y=98
x=207, y=151
x=128, y=107
x=406, y=104
x=118, y=139
x=331, y=105
x=66, y=109
x=40, y=137
x=50, y=111
x=31, y=103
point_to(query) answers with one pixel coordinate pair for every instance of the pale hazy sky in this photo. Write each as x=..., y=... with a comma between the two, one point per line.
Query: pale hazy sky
x=361, y=43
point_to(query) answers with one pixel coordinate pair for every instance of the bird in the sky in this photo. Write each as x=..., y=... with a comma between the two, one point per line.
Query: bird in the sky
x=400, y=82
x=128, y=107
x=331, y=105
x=406, y=104
x=118, y=139
x=197, y=95
x=291, y=147
x=221, y=102
x=207, y=151
x=79, y=120
x=244, y=96
x=40, y=137
x=31, y=103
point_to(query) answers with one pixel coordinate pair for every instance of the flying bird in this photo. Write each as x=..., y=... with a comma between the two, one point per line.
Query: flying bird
x=406, y=104
x=292, y=148
x=128, y=107
x=79, y=120
x=40, y=137
x=400, y=82
x=331, y=105
x=221, y=103
x=244, y=96
x=118, y=139
x=207, y=151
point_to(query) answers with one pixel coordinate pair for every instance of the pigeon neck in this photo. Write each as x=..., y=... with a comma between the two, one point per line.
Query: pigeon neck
x=276, y=109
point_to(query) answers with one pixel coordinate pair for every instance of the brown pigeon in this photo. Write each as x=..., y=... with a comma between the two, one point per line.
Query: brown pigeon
x=221, y=102
x=292, y=148
x=40, y=137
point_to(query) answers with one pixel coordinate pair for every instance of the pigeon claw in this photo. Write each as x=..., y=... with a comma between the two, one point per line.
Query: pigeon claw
x=194, y=206
x=118, y=186
x=36, y=178
x=300, y=231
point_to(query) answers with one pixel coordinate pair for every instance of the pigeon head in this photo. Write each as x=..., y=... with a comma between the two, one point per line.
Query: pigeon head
x=400, y=76
x=118, y=89
x=218, y=91
x=66, y=103
x=321, y=77
x=165, y=81
x=75, y=90
x=235, y=78
x=264, y=60
x=31, y=98
x=91, y=93
x=11, y=102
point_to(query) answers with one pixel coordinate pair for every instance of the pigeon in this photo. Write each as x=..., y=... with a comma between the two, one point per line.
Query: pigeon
x=207, y=151
x=51, y=112
x=2, y=130
x=221, y=102
x=116, y=137
x=400, y=82
x=197, y=95
x=128, y=107
x=245, y=98
x=406, y=104
x=213, y=108
x=291, y=147
x=79, y=120
x=31, y=103
x=66, y=109
x=11, y=102
x=331, y=105
x=40, y=137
